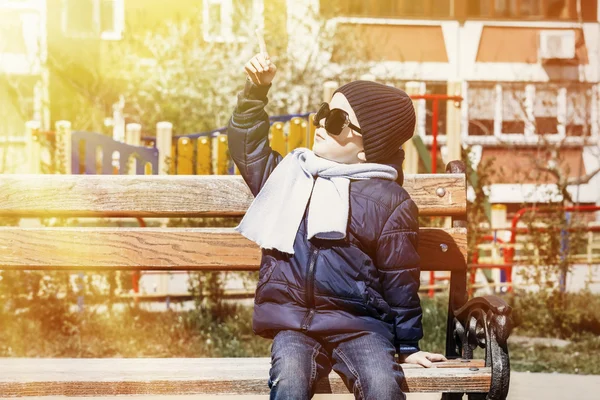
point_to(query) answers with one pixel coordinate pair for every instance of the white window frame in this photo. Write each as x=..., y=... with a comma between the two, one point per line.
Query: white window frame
x=226, y=34
x=528, y=131
x=529, y=137
x=464, y=111
x=33, y=21
x=119, y=22
x=118, y=17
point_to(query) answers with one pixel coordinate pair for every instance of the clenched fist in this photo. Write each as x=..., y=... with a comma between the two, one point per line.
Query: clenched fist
x=260, y=69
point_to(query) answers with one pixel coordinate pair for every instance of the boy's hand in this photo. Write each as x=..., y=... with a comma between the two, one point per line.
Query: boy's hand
x=260, y=69
x=422, y=358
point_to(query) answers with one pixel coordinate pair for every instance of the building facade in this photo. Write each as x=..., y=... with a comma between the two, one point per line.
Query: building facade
x=528, y=72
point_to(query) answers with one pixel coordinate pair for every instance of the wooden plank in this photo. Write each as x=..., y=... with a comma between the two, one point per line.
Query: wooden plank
x=443, y=249
x=178, y=196
x=127, y=376
x=207, y=249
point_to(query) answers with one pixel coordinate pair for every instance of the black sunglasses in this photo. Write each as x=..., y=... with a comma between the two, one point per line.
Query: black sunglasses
x=335, y=120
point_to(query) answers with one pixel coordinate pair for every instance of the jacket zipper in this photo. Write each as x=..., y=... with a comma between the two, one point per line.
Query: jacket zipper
x=310, y=299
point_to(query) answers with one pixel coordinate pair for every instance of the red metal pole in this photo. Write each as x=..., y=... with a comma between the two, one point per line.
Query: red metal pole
x=431, y=283
x=434, y=133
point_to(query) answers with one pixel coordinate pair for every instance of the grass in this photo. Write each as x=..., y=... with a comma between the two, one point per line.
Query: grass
x=132, y=333
x=582, y=356
x=48, y=330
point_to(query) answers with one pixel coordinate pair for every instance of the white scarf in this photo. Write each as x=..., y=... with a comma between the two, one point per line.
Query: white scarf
x=273, y=219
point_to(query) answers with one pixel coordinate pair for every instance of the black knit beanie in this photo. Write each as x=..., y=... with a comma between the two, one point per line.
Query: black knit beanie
x=386, y=116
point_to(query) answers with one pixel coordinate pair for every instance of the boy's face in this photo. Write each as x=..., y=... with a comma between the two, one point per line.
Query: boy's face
x=347, y=147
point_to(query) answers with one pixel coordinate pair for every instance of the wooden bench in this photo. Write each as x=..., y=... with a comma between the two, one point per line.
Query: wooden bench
x=483, y=322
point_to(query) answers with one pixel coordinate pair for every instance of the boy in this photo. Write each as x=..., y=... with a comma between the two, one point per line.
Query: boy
x=339, y=274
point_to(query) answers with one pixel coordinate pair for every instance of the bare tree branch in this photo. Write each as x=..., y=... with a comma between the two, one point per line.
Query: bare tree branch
x=583, y=179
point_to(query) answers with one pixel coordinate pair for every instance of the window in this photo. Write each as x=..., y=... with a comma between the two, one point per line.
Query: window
x=545, y=109
x=522, y=111
x=12, y=38
x=513, y=109
x=481, y=99
x=242, y=9
x=524, y=9
x=231, y=20
x=387, y=8
x=214, y=23
x=579, y=105
x=89, y=19
x=20, y=35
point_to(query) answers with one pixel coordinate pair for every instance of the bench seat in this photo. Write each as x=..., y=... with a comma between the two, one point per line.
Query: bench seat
x=483, y=322
x=157, y=376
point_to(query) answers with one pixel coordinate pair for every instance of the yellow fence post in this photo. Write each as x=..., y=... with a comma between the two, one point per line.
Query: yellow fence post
x=133, y=136
x=221, y=151
x=411, y=159
x=34, y=150
x=297, y=135
x=277, y=138
x=203, y=156
x=453, y=117
x=164, y=144
x=63, y=147
x=185, y=156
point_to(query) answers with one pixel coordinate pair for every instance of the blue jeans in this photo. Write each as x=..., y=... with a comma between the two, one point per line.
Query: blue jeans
x=364, y=360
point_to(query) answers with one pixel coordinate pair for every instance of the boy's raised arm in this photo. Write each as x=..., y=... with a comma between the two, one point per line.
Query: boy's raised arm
x=248, y=128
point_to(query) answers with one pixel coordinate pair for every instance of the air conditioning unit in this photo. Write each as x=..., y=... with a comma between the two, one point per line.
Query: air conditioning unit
x=557, y=45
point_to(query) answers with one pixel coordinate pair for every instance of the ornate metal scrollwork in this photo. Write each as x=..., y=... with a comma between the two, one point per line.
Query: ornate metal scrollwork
x=489, y=329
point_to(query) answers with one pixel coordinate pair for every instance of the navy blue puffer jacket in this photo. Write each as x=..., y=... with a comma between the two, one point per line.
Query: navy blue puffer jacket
x=366, y=282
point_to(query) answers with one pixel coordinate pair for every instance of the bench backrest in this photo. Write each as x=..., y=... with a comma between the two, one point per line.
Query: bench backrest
x=441, y=249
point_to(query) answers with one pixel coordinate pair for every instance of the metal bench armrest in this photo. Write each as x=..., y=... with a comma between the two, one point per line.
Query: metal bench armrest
x=486, y=322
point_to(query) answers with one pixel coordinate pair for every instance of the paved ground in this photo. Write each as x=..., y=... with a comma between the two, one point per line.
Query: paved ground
x=524, y=386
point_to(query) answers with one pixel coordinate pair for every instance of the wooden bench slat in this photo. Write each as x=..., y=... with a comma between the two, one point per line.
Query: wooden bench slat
x=215, y=249
x=104, y=377
x=178, y=195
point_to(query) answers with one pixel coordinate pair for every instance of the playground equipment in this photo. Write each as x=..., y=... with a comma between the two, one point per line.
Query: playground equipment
x=504, y=256
x=207, y=153
x=519, y=214
x=91, y=152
